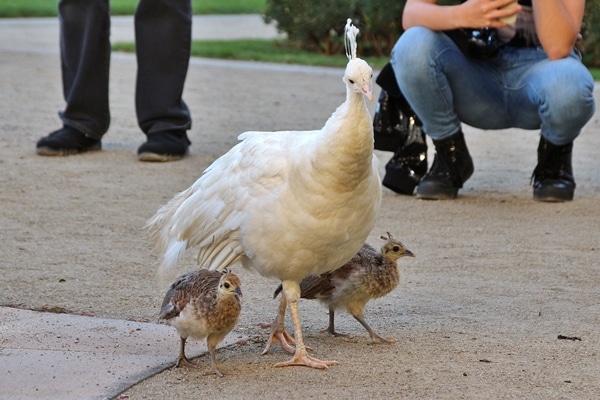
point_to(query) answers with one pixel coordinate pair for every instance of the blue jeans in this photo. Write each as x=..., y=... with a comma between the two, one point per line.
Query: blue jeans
x=521, y=88
x=163, y=31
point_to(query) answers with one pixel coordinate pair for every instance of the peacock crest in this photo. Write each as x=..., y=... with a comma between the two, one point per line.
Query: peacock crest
x=350, y=34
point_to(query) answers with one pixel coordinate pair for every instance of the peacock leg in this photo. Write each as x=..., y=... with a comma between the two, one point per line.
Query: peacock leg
x=301, y=356
x=278, y=332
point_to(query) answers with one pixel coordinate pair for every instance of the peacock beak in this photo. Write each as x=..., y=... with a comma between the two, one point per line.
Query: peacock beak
x=367, y=92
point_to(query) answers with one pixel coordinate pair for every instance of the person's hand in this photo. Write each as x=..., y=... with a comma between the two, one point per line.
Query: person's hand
x=487, y=13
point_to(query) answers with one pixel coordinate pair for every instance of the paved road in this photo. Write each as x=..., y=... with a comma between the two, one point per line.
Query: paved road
x=497, y=276
x=41, y=34
x=45, y=355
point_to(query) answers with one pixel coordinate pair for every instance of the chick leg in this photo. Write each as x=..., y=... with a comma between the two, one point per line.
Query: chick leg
x=278, y=332
x=374, y=336
x=213, y=362
x=301, y=356
x=182, y=360
x=331, y=327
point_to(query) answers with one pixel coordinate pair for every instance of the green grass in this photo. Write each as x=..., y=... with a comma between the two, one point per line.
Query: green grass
x=266, y=50
x=270, y=50
x=48, y=8
x=276, y=51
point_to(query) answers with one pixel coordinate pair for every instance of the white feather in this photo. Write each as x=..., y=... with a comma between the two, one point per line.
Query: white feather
x=350, y=34
x=173, y=253
x=287, y=204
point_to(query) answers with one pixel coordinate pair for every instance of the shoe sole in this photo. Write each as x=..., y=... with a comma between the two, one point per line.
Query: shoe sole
x=553, y=192
x=155, y=157
x=49, y=151
x=554, y=197
x=434, y=192
x=437, y=196
x=405, y=188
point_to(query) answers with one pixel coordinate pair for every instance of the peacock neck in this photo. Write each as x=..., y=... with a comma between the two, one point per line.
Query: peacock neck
x=348, y=148
x=356, y=133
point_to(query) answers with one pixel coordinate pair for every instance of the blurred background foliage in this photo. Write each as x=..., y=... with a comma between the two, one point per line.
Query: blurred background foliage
x=316, y=25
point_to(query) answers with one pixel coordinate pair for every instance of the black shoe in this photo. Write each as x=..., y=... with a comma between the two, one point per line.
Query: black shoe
x=66, y=141
x=393, y=117
x=164, y=146
x=451, y=167
x=553, y=176
x=404, y=171
x=397, y=128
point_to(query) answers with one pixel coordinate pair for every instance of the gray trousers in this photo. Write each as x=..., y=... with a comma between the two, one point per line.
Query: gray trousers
x=163, y=31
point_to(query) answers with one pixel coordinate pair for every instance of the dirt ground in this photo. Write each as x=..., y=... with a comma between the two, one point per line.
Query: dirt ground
x=478, y=314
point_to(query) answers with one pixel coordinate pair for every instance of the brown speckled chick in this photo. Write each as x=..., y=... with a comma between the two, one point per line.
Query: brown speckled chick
x=368, y=275
x=203, y=304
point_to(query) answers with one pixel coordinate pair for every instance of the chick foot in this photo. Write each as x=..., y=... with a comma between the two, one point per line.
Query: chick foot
x=378, y=339
x=333, y=332
x=331, y=328
x=374, y=336
x=185, y=362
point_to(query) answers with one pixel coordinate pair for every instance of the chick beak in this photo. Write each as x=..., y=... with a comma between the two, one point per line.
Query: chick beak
x=238, y=290
x=409, y=253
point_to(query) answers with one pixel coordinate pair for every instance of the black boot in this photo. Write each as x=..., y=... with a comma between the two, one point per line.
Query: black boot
x=409, y=163
x=553, y=176
x=397, y=128
x=451, y=167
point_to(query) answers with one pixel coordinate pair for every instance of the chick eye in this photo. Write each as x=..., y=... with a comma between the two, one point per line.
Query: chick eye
x=396, y=248
x=227, y=285
x=351, y=81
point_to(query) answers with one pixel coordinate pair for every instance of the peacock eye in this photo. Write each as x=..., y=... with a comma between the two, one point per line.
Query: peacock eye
x=396, y=248
x=351, y=81
x=227, y=285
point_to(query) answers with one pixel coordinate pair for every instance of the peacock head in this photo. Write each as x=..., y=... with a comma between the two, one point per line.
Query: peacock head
x=359, y=75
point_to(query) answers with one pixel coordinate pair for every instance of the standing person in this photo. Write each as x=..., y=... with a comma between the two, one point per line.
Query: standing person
x=534, y=81
x=163, y=30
